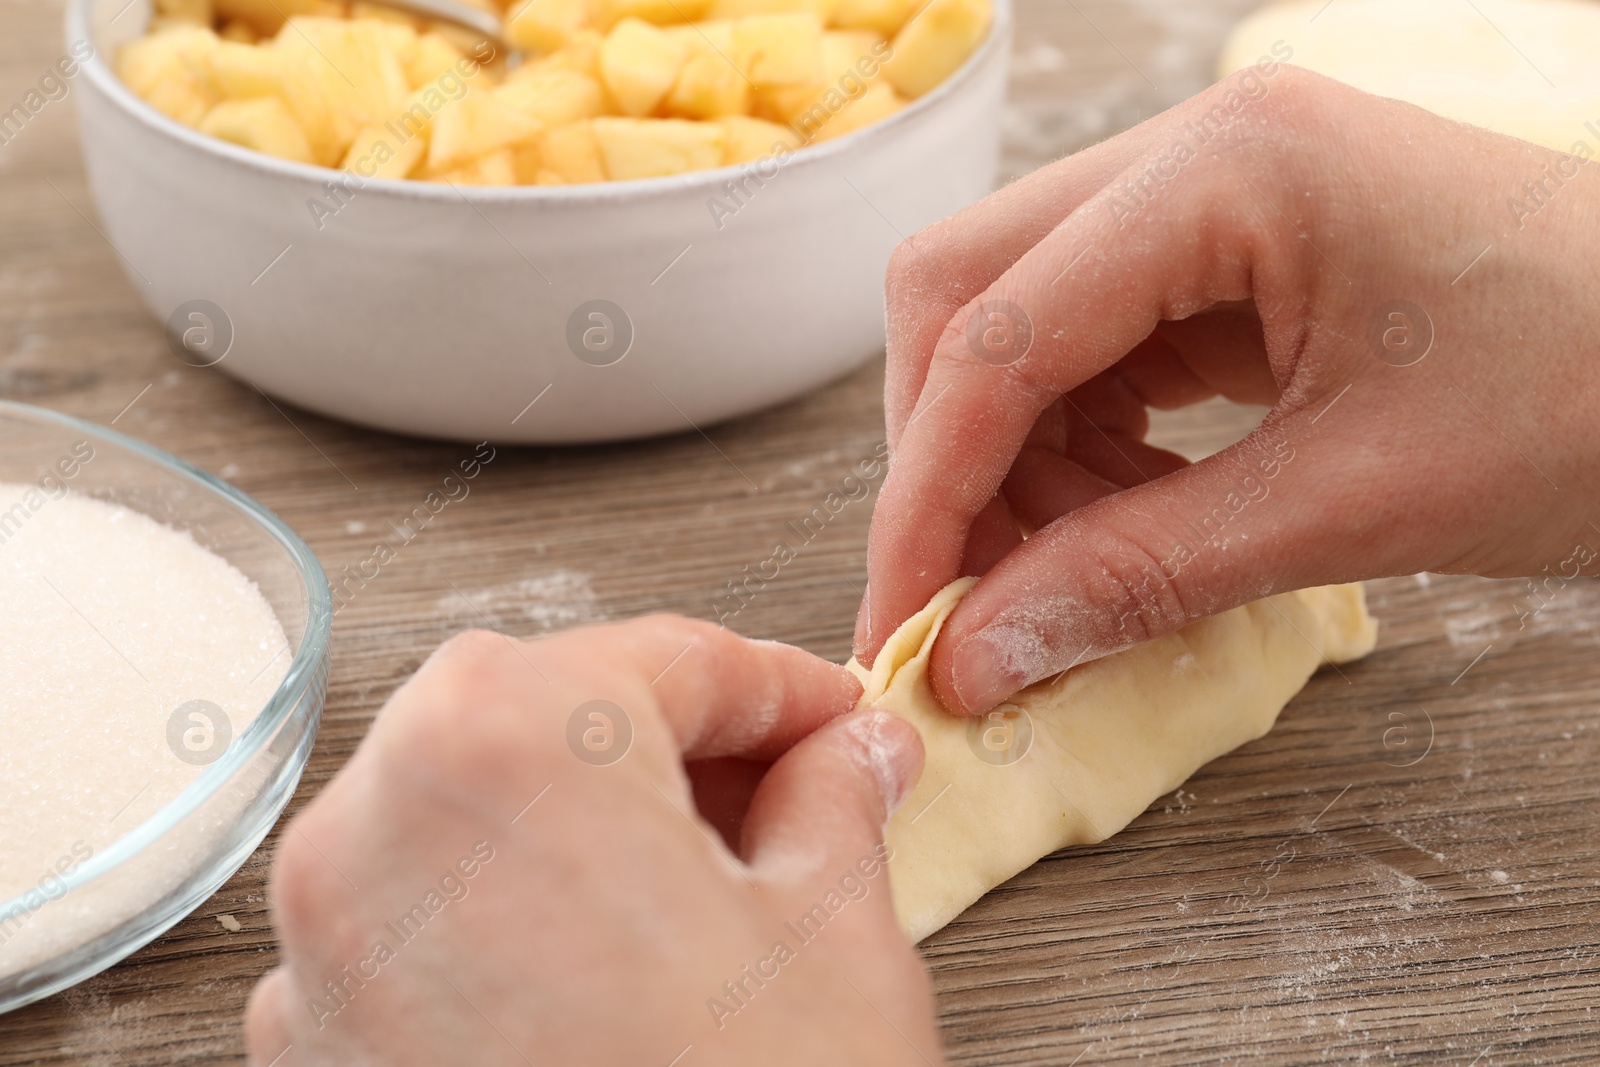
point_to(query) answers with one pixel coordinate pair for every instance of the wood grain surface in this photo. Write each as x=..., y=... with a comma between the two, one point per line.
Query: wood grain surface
x=1407, y=870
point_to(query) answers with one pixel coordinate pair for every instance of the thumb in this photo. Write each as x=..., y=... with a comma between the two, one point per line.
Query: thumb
x=268, y=1034
x=822, y=807
x=1285, y=509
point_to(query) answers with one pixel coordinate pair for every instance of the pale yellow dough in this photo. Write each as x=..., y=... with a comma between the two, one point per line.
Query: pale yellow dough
x=1108, y=737
x=1528, y=68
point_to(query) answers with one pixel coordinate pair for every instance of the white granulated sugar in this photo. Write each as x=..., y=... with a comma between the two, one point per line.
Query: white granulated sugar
x=112, y=622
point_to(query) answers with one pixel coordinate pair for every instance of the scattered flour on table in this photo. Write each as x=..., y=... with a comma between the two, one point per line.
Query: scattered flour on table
x=554, y=600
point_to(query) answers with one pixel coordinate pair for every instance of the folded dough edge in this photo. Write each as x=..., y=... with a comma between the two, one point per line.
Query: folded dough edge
x=1075, y=759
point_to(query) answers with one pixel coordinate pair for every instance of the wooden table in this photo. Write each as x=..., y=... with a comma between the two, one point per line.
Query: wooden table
x=1404, y=871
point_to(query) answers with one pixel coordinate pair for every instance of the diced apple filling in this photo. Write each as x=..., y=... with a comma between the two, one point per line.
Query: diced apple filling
x=609, y=90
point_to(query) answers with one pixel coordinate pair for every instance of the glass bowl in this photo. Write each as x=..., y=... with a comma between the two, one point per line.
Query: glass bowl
x=130, y=892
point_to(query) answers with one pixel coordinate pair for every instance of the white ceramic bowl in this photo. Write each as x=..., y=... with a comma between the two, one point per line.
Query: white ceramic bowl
x=426, y=310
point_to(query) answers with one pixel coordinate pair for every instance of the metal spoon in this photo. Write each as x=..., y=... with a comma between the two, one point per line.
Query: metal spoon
x=472, y=18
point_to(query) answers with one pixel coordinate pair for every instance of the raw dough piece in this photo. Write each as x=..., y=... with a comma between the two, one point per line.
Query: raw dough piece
x=1480, y=61
x=1107, y=738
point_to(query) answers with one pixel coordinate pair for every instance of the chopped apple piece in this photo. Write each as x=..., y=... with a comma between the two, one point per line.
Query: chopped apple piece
x=653, y=148
x=267, y=17
x=478, y=124
x=779, y=49
x=263, y=124
x=876, y=104
x=327, y=133
x=161, y=23
x=377, y=152
x=415, y=115
x=571, y=155
x=934, y=44
x=711, y=84
x=239, y=32
x=179, y=51
x=639, y=64
x=196, y=11
x=526, y=163
x=241, y=71
x=738, y=9
x=470, y=42
x=353, y=68
x=859, y=52
x=851, y=61
x=362, y=9
x=660, y=12
x=751, y=139
x=186, y=102
x=709, y=35
x=582, y=54
x=167, y=70
x=554, y=97
x=883, y=17
x=496, y=168
x=430, y=59
x=545, y=25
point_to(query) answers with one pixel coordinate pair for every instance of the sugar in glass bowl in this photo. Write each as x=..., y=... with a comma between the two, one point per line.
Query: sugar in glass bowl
x=98, y=904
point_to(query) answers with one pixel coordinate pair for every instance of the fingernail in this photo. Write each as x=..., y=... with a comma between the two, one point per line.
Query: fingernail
x=891, y=744
x=984, y=673
x=863, y=624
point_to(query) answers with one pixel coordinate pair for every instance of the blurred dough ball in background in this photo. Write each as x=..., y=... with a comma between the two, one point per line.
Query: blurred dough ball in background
x=1087, y=70
x=1528, y=68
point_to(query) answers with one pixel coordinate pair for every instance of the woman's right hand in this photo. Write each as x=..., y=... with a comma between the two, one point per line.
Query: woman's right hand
x=1417, y=299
